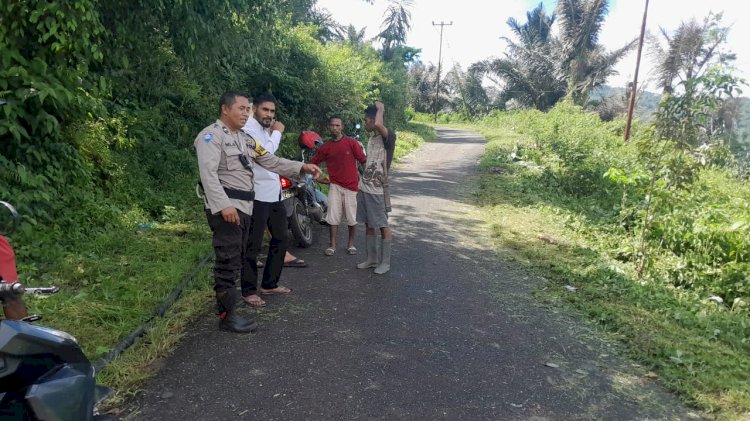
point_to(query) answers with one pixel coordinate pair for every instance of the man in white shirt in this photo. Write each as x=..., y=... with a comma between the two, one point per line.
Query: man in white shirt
x=268, y=210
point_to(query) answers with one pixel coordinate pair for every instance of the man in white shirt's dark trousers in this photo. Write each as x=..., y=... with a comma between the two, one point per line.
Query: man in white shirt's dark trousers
x=268, y=209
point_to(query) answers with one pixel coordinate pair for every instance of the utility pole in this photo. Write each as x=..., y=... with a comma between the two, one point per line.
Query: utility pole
x=634, y=88
x=440, y=58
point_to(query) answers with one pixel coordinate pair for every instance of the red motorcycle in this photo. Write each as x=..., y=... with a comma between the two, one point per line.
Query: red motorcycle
x=303, y=199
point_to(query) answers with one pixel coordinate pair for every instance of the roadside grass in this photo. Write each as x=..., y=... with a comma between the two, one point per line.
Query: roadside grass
x=115, y=281
x=696, y=348
x=411, y=137
x=126, y=374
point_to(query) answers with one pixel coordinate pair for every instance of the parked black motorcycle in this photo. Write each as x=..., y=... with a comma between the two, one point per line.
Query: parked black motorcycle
x=44, y=374
x=303, y=199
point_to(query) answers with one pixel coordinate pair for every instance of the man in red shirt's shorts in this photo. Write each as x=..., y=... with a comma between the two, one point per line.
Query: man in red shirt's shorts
x=340, y=155
x=14, y=309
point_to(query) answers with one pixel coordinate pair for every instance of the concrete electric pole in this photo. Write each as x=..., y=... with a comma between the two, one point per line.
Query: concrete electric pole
x=440, y=58
x=634, y=88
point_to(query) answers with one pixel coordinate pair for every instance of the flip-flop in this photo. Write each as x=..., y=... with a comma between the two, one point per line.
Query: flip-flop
x=296, y=263
x=279, y=290
x=329, y=251
x=254, y=303
x=351, y=250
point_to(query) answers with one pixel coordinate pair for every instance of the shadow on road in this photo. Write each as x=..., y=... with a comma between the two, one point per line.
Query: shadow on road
x=450, y=333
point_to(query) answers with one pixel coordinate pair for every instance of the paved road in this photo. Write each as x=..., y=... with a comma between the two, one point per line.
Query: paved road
x=452, y=332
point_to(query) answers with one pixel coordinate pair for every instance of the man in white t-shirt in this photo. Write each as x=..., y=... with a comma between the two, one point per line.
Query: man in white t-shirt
x=268, y=209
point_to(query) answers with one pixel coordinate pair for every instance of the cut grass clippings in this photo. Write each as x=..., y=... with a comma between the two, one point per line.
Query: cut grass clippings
x=696, y=348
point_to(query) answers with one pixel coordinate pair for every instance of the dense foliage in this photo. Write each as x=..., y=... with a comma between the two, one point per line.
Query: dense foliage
x=104, y=98
x=680, y=217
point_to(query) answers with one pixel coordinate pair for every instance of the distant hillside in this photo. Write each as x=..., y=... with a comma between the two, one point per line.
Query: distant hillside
x=645, y=106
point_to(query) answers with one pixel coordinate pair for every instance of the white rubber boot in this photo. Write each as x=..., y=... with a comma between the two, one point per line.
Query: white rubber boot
x=371, y=244
x=385, y=258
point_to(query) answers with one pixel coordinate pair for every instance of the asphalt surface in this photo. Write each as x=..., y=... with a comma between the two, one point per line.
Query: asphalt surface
x=451, y=332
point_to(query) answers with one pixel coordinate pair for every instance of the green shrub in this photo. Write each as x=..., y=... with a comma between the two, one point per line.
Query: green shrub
x=685, y=220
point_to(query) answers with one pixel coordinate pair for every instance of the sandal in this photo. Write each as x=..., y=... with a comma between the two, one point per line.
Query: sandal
x=329, y=251
x=351, y=250
x=296, y=263
x=279, y=290
x=254, y=301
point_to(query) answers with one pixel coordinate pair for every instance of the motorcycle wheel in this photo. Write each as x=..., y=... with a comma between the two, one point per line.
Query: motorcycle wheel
x=300, y=225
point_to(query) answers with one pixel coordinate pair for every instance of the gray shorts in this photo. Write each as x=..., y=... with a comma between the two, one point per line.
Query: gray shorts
x=371, y=210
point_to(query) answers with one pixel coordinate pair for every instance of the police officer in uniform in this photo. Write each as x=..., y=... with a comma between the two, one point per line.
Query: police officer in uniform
x=224, y=160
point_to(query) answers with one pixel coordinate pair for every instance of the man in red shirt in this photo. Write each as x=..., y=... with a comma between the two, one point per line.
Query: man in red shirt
x=340, y=155
x=14, y=309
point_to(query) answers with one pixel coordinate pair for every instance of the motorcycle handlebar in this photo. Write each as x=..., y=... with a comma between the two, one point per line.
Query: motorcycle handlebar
x=17, y=289
x=11, y=289
x=43, y=290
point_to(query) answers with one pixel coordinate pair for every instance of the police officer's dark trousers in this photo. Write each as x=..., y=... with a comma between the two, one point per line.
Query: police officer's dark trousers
x=273, y=216
x=230, y=246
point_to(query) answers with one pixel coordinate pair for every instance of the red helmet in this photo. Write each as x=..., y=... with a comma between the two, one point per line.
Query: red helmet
x=309, y=140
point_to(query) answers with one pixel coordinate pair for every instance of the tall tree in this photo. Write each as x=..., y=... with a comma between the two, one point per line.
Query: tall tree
x=422, y=79
x=529, y=73
x=328, y=28
x=468, y=96
x=352, y=36
x=395, y=27
x=690, y=51
x=584, y=60
x=697, y=83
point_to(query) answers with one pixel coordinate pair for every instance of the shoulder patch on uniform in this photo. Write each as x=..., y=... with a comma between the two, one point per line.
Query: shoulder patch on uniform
x=208, y=137
x=259, y=149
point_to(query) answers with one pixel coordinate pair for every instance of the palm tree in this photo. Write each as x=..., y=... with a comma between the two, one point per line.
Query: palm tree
x=467, y=95
x=528, y=73
x=584, y=61
x=696, y=83
x=328, y=28
x=690, y=51
x=536, y=29
x=395, y=27
x=422, y=80
x=352, y=36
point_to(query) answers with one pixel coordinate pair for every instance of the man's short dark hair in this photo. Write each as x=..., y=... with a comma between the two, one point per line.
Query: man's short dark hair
x=228, y=98
x=371, y=111
x=335, y=117
x=259, y=99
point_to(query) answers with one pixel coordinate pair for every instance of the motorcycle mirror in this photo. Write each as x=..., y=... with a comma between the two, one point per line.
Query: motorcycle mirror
x=8, y=218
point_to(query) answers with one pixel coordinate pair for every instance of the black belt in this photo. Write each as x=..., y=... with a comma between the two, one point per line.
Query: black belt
x=240, y=194
x=236, y=194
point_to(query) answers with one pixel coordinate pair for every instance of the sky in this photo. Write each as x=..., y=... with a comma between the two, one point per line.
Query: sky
x=478, y=25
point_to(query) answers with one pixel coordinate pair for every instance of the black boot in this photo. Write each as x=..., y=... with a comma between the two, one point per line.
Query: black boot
x=230, y=320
